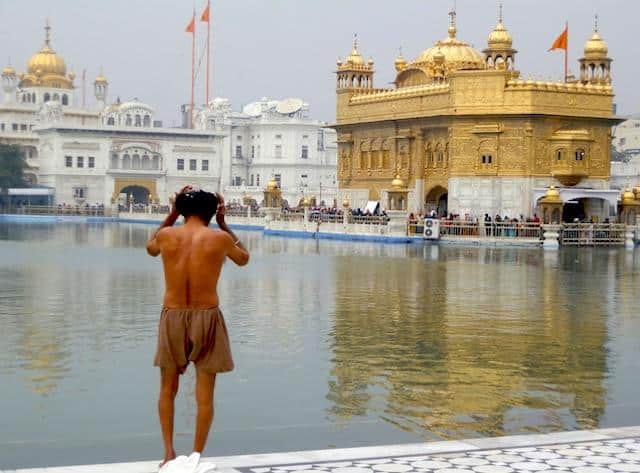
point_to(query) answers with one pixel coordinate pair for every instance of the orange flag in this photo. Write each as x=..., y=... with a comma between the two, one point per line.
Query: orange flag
x=191, y=27
x=205, y=15
x=561, y=41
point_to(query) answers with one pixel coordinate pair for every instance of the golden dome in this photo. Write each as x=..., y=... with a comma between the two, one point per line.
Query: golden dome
x=345, y=203
x=596, y=47
x=500, y=38
x=552, y=196
x=8, y=71
x=628, y=197
x=46, y=68
x=272, y=184
x=457, y=54
x=46, y=61
x=400, y=62
x=101, y=79
x=397, y=182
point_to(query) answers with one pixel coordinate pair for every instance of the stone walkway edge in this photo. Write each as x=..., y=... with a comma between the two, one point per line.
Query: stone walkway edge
x=361, y=457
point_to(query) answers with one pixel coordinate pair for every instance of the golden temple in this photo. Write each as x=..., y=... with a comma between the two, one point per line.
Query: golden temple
x=469, y=135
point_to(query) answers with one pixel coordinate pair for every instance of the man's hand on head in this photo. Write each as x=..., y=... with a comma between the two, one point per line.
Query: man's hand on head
x=220, y=211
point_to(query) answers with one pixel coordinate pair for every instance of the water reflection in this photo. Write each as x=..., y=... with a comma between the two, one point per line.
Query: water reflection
x=448, y=347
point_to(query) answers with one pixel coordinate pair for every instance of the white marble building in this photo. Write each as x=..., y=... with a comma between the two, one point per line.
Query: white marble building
x=106, y=153
x=275, y=139
x=626, y=141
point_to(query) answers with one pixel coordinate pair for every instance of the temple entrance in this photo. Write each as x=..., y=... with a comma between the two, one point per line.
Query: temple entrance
x=585, y=210
x=140, y=194
x=573, y=211
x=140, y=189
x=437, y=200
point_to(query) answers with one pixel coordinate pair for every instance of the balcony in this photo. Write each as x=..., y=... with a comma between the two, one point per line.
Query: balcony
x=569, y=171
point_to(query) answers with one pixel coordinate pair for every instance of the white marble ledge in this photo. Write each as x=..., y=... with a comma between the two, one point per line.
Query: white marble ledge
x=231, y=463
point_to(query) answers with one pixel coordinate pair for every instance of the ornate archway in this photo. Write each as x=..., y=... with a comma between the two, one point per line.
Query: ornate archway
x=140, y=188
x=437, y=199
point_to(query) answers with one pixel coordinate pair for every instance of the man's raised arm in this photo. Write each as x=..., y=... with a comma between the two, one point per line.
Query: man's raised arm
x=153, y=247
x=235, y=249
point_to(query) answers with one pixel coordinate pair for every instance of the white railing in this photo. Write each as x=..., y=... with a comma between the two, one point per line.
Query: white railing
x=593, y=234
x=61, y=210
x=499, y=230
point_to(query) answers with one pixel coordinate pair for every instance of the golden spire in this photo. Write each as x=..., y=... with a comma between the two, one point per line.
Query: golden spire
x=47, y=33
x=452, y=23
x=355, y=44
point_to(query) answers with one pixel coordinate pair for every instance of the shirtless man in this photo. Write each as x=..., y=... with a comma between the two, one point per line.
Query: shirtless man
x=192, y=327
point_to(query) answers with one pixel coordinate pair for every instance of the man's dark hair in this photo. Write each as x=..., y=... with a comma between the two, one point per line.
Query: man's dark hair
x=200, y=203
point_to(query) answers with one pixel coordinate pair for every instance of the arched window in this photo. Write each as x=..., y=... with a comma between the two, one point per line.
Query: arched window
x=138, y=120
x=114, y=161
x=258, y=180
x=128, y=120
x=135, y=162
x=560, y=153
x=56, y=98
x=156, y=162
x=33, y=97
x=580, y=155
x=146, y=162
x=126, y=161
x=147, y=121
x=47, y=97
x=65, y=99
x=111, y=121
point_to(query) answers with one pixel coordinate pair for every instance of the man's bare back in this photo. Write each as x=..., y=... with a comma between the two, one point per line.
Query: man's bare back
x=193, y=256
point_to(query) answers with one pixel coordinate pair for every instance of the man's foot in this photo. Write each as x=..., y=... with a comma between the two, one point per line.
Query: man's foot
x=167, y=459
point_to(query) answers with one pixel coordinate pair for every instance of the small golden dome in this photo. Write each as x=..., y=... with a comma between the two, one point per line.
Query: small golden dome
x=272, y=184
x=305, y=202
x=628, y=197
x=370, y=62
x=72, y=76
x=552, y=196
x=500, y=38
x=397, y=182
x=400, y=62
x=8, y=71
x=346, y=203
x=355, y=58
x=101, y=79
x=596, y=47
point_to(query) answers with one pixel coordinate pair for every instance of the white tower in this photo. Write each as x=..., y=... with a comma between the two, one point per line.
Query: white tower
x=9, y=84
x=101, y=88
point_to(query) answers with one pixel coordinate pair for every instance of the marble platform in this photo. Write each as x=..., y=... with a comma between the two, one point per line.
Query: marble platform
x=614, y=450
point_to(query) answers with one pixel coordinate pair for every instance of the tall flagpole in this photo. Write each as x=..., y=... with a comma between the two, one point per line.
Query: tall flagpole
x=193, y=69
x=208, y=45
x=566, y=55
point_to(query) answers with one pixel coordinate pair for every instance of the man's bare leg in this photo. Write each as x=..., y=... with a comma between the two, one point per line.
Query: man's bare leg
x=169, y=382
x=205, y=384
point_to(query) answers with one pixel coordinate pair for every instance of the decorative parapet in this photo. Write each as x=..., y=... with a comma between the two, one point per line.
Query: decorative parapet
x=576, y=87
x=379, y=95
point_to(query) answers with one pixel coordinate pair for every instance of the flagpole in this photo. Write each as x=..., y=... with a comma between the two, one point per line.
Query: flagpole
x=566, y=55
x=193, y=69
x=208, y=45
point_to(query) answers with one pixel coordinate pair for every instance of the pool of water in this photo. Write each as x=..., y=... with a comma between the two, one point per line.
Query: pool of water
x=336, y=344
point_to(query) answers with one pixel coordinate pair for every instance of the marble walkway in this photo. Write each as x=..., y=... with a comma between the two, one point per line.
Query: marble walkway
x=598, y=451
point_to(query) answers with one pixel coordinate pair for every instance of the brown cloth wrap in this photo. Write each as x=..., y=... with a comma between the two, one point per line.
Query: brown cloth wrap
x=197, y=335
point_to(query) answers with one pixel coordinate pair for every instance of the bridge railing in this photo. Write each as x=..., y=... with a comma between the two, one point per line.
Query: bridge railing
x=60, y=210
x=593, y=234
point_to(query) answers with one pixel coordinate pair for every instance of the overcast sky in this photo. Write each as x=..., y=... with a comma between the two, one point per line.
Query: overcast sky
x=288, y=48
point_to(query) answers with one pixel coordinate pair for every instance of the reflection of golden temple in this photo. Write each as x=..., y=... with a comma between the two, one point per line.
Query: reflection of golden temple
x=434, y=363
x=462, y=127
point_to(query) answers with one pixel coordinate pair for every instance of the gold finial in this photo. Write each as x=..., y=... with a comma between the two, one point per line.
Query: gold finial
x=47, y=32
x=355, y=42
x=595, y=24
x=452, y=22
x=500, y=12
